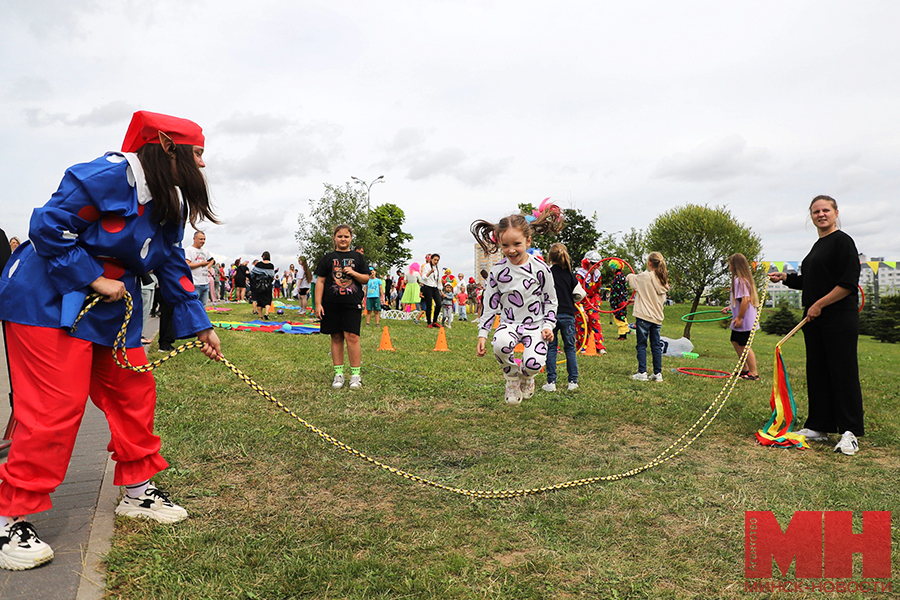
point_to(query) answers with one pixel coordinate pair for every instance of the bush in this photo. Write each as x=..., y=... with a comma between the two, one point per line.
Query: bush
x=781, y=321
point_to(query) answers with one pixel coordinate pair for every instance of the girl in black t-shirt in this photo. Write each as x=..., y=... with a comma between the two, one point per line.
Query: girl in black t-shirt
x=343, y=275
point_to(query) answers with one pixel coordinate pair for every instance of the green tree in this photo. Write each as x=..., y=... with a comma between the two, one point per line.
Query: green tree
x=696, y=242
x=387, y=222
x=579, y=233
x=338, y=205
x=630, y=248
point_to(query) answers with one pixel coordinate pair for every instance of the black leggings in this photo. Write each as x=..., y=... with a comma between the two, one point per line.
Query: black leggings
x=432, y=298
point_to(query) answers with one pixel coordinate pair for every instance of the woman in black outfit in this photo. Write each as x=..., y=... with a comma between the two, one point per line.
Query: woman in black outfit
x=431, y=291
x=829, y=279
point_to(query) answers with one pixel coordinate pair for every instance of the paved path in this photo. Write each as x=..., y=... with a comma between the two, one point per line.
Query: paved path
x=79, y=527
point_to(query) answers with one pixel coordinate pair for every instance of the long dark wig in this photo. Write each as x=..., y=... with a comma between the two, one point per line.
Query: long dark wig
x=162, y=179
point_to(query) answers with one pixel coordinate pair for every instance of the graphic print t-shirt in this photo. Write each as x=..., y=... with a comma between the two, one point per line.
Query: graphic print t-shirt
x=340, y=288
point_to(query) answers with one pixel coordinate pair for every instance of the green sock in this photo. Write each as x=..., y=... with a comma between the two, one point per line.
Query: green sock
x=355, y=371
x=338, y=369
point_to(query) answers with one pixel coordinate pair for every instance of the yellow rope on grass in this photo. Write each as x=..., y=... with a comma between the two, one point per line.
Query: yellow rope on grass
x=674, y=449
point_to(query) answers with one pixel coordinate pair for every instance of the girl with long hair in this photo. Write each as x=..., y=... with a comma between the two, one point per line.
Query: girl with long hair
x=111, y=220
x=564, y=282
x=651, y=286
x=743, y=304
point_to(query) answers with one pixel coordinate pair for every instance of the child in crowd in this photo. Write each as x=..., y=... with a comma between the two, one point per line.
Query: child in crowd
x=447, y=306
x=374, y=297
x=743, y=305
x=462, y=299
x=342, y=277
x=411, y=293
x=651, y=286
x=520, y=291
x=564, y=282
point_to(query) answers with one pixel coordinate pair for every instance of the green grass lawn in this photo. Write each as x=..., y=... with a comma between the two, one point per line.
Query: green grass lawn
x=276, y=513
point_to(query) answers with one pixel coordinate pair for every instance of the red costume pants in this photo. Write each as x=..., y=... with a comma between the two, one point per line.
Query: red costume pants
x=52, y=375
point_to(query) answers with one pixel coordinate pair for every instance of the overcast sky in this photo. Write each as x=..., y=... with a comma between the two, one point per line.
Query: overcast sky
x=626, y=109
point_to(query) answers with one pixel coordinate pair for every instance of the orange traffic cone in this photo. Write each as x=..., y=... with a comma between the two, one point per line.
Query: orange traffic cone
x=386, y=340
x=496, y=321
x=591, y=346
x=441, y=345
x=520, y=348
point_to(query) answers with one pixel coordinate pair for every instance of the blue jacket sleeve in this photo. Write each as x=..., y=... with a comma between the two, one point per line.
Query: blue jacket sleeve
x=54, y=232
x=177, y=287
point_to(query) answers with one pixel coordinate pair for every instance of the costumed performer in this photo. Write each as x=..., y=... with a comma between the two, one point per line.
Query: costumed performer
x=591, y=281
x=110, y=221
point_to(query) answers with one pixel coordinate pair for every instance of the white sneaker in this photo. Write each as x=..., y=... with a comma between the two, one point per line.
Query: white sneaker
x=526, y=384
x=656, y=377
x=549, y=387
x=640, y=377
x=20, y=547
x=513, y=392
x=355, y=382
x=602, y=351
x=572, y=386
x=152, y=504
x=848, y=444
x=338, y=382
x=812, y=434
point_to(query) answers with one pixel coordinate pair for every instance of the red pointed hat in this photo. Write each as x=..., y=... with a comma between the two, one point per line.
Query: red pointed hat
x=145, y=127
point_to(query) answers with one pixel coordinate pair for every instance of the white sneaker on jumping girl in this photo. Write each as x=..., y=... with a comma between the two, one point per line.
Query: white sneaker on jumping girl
x=526, y=384
x=513, y=392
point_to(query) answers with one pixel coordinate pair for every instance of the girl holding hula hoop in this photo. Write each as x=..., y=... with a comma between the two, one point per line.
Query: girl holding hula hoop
x=742, y=306
x=564, y=282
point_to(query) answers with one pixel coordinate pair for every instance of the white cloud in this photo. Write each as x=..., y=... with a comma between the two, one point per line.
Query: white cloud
x=721, y=159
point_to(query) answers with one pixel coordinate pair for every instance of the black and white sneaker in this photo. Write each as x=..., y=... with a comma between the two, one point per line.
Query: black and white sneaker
x=152, y=504
x=20, y=547
x=848, y=444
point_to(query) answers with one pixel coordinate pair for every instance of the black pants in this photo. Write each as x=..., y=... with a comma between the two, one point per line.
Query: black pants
x=166, y=325
x=432, y=299
x=832, y=373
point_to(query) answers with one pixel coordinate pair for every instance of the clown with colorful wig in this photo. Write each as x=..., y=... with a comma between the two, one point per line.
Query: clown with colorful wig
x=111, y=221
x=618, y=298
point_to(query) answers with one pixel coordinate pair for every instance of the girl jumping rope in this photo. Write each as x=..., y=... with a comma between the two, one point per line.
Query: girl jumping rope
x=651, y=287
x=743, y=305
x=520, y=291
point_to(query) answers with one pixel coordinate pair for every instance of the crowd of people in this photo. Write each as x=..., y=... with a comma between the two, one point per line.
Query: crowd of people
x=115, y=226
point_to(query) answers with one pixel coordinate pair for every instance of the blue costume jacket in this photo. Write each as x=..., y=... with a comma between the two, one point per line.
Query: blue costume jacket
x=99, y=222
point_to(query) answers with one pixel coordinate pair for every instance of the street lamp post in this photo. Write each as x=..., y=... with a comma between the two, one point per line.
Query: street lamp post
x=368, y=186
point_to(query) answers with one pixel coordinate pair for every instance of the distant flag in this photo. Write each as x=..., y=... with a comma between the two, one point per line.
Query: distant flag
x=874, y=264
x=779, y=266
